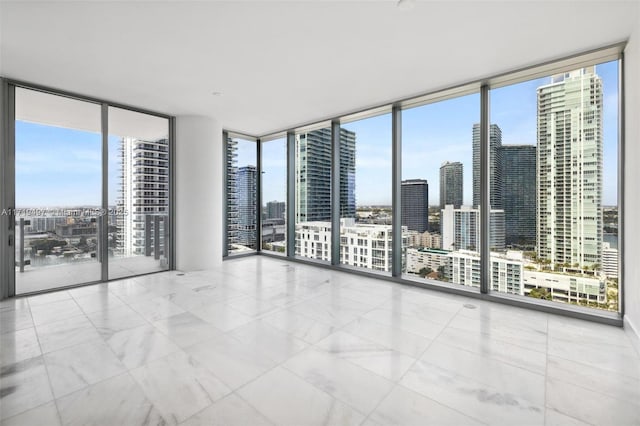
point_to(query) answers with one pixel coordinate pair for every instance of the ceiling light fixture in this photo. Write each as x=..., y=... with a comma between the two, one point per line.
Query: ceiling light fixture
x=406, y=4
x=216, y=93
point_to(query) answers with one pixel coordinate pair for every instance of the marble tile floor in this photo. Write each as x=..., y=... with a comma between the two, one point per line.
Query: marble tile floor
x=50, y=277
x=263, y=341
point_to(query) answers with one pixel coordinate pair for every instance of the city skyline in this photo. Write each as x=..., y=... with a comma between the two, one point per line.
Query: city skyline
x=432, y=140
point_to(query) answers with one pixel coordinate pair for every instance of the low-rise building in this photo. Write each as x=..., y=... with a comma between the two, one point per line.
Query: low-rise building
x=609, y=261
x=361, y=245
x=428, y=258
x=563, y=287
x=506, y=270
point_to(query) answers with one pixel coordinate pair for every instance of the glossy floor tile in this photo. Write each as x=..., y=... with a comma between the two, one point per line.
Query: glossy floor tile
x=76, y=367
x=179, y=386
x=229, y=411
x=262, y=341
x=359, y=388
x=19, y=345
x=23, y=385
x=296, y=402
x=116, y=401
x=137, y=346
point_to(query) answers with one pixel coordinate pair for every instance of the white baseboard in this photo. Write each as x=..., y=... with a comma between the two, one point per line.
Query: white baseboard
x=633, y=331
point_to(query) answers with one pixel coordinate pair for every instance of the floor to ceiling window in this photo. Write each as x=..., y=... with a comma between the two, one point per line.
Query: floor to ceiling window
x=365, y=193
x=138, y=185
x=88, y=206
x=440, y=198
x=544, y=226
x=274, y=195
x=242, y=208
x=313, y=194
x=557, y=183
x=58, y=181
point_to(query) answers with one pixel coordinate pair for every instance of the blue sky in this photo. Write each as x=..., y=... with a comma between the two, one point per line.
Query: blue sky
x=58, y=167
x=435, y=133
x=61, y=167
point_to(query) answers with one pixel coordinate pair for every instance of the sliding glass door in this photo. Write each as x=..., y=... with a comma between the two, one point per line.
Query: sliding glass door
x=138, y=193
x=58, y=181
x=91, y=189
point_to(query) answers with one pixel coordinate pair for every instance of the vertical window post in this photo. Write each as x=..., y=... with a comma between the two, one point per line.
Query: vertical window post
x=291, y=195
x=103, y=221
x=225, y=203
x=396, y=198
x=258, y=196
x=7, y=185
x=485, y=201
x=335, y=192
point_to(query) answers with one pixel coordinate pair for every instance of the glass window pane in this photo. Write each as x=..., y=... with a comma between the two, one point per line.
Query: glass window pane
x=558, y=187
x=58, y=187
x=365, y=194
x=440, y=219
x=313, y=194
x=274, y=195
x=242, y=211
x=138, y=193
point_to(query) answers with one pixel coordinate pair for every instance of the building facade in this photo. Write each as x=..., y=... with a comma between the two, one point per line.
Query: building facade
x=433, y=259
x=425, y=239
x=451, y=184
x=569, y=164
x=232, y=192
x=609, y=261
x=313, y=175
x=495, y=166
x=519, y=195
x=247, y=208
x=566, y=288
x=415, y=204
x=144, y=194
x=506, y=271
x=275, y=210
x=361, y=245
x=461, y=228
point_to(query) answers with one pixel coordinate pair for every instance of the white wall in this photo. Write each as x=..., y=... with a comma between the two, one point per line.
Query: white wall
x=199, y=193
x=632, y=177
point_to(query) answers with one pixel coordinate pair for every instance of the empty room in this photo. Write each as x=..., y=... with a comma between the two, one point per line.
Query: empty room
x=319, y=212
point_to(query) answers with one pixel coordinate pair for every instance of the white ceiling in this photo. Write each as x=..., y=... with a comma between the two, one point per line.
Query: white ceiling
x=279, y=64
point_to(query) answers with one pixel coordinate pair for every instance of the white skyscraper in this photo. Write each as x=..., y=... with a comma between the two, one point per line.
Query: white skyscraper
x=144, y=194
x=569, y=169
x=247, y=208
x=461, y=228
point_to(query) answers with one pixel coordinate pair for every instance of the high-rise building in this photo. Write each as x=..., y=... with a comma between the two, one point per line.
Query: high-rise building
x=519, y=194
x=247, y=209
x=275, y=210
x=415, y=204
x=569, y=163
x=144, y=194
x=495, y=168
x=313, y=175
x=451, y=184
x=232, y=192
x=461, y=228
